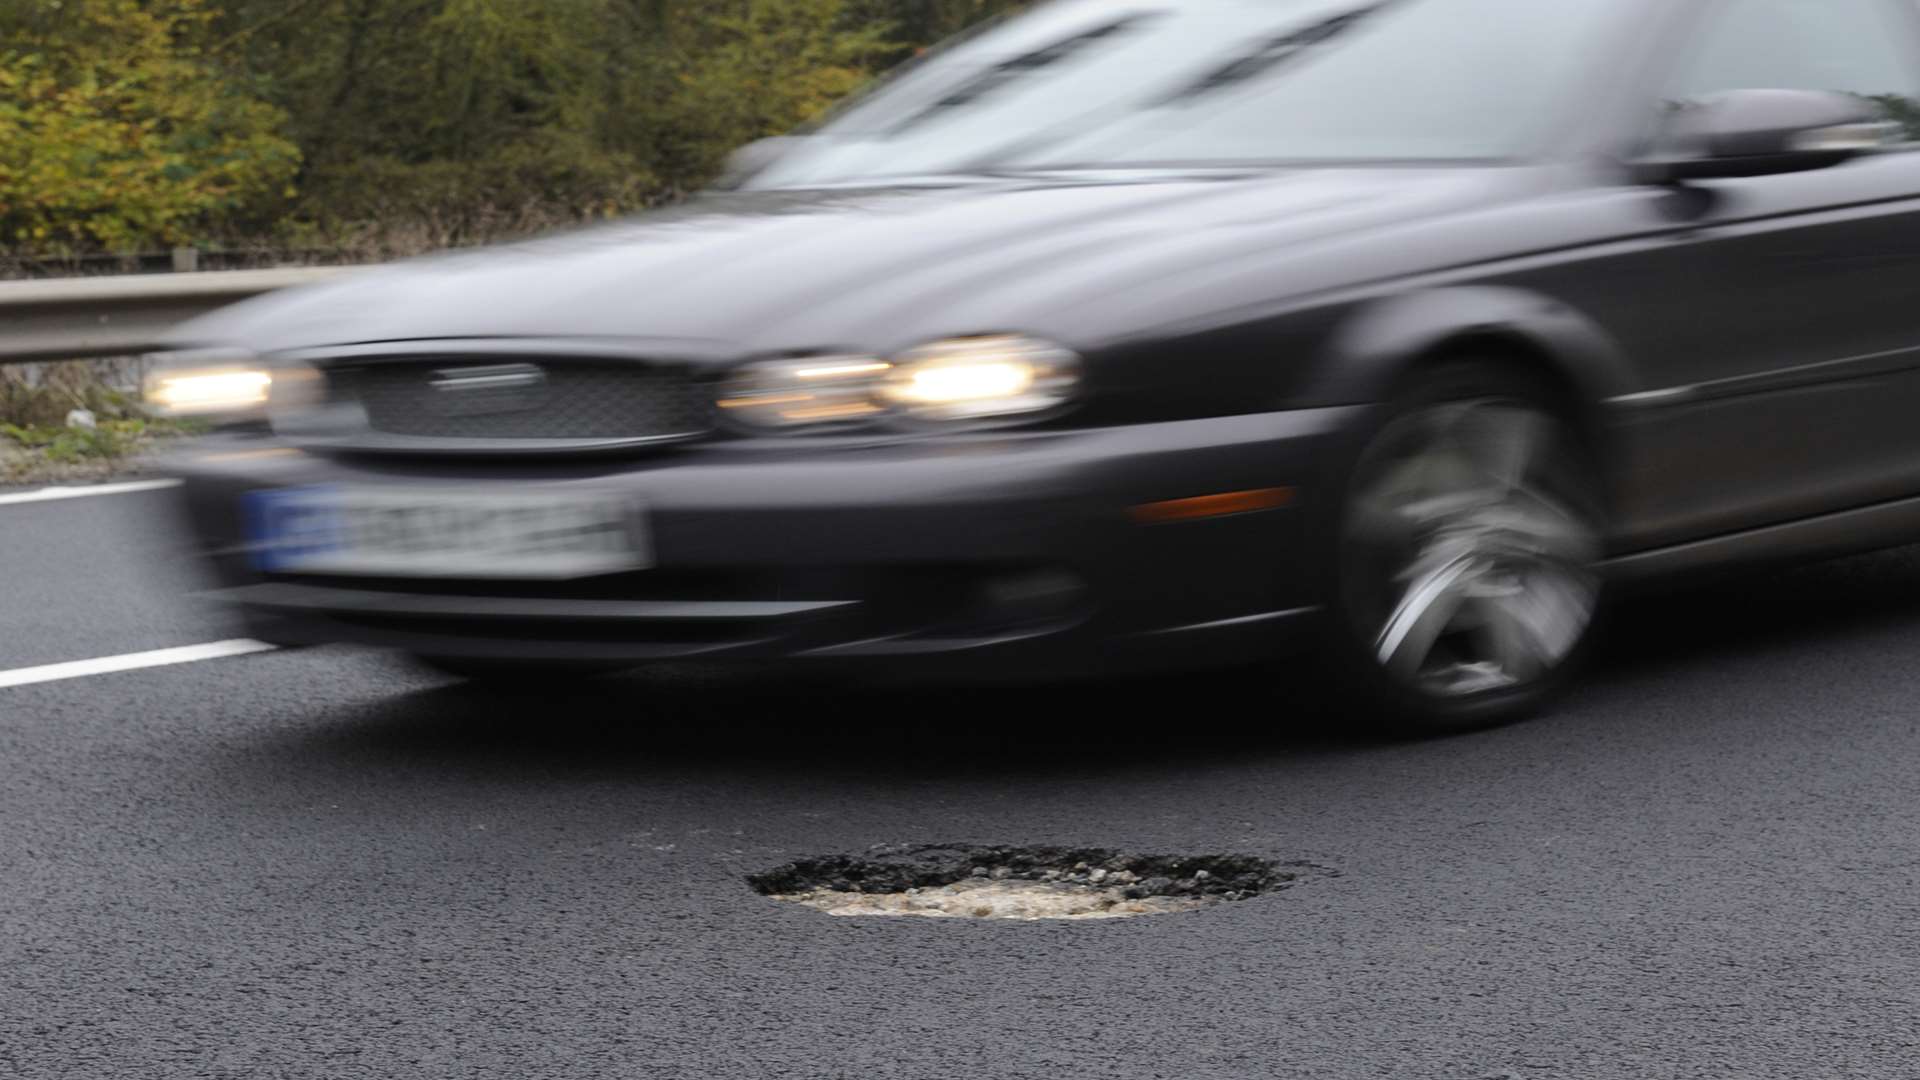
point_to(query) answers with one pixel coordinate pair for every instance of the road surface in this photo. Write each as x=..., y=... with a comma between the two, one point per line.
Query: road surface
x=324, y=863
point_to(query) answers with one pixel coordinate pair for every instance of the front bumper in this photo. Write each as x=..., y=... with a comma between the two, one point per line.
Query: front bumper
x=1020, y=553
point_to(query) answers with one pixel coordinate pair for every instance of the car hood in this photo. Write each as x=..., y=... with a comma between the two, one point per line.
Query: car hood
x=1077, y=257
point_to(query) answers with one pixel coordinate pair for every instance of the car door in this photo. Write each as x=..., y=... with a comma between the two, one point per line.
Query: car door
x=1793, y=388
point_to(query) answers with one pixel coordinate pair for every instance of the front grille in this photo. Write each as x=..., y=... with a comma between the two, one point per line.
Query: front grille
x=583, y=400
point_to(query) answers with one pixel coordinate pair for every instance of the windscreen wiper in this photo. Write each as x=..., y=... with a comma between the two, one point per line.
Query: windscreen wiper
x=1008, y=71
x=1275, y=51
x=1264, y=57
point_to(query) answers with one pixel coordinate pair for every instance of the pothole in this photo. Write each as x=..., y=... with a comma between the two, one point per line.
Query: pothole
x=1025, y=883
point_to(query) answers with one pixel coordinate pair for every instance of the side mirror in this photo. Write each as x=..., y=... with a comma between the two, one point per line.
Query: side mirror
x=1763, y=133
x=755, y=157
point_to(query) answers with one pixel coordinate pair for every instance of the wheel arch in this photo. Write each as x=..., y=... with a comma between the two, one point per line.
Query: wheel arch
x=1377, y=348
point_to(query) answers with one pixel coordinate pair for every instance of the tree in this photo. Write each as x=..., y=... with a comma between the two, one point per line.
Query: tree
x=117, y=129
x=458, y=120
x=732, y=78
x=916, y=24
x=406, y=124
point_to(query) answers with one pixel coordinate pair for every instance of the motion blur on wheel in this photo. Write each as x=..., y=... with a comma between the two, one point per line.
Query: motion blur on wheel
x=1112, y=337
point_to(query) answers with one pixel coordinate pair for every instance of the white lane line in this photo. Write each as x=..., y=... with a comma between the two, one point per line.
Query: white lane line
x=49, y=494
x=186, y=654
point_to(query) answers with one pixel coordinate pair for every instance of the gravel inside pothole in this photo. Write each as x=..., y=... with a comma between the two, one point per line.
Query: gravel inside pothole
x=1027, y=883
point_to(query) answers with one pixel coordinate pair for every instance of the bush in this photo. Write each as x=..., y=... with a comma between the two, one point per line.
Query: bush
x=399, y=207
x=111, y=440
x=395, y=125
x=56, y=451
x=117, y=131
x=36, y=395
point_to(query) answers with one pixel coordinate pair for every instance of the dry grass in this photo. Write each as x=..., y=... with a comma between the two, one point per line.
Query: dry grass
x=43, y=394
x=36, y=443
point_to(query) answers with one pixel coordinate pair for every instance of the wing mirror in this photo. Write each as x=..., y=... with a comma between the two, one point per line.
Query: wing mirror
x=1764, y=133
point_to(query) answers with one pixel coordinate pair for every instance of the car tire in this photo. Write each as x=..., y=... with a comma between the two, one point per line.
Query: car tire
x=1467, y=546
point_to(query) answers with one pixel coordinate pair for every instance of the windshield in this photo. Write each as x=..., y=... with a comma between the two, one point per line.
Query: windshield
x=1105, y=83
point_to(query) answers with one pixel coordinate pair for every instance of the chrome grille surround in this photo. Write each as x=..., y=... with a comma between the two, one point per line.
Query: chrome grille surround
x=581, y=400
x=468, y=398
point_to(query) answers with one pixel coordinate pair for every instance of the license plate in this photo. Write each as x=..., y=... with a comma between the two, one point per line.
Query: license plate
x=403, y=532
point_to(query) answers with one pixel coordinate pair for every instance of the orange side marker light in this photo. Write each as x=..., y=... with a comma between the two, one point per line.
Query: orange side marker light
x=1211, y=506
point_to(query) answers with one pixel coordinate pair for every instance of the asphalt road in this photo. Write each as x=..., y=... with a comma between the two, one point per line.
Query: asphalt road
x=326, y=864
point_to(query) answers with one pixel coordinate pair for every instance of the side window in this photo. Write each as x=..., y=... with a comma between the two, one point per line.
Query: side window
x=1863, y=47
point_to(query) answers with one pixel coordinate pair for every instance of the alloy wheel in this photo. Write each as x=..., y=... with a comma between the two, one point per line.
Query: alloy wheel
x=1469, y=556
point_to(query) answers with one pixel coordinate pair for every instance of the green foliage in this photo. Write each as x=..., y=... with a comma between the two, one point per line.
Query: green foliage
x=1904, y=111
x=403, y=124
x=736, y=77
x=117, y=130
x=919, y=23
x=109, y=441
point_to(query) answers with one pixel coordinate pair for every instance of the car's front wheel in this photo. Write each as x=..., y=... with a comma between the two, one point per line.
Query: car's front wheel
x=1468, y=547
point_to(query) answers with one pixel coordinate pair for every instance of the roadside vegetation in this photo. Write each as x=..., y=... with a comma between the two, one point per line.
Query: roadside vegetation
x=362, y=130
x=108, y=442
x=388, y=127
x=67, y=422
x=41, y=453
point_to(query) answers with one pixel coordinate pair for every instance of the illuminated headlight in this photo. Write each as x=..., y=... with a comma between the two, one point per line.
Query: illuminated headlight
x=961, y=379
x=980, y=378
x=808, y=392
x=220, y=384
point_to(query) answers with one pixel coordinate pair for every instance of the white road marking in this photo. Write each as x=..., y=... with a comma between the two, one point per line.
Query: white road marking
x=186, y=654
x=49, y=494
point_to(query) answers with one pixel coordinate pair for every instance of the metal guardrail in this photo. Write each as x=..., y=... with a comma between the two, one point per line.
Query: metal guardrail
x=79, y=318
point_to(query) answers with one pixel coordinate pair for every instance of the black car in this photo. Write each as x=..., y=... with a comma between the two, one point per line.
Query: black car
x=1118, y=335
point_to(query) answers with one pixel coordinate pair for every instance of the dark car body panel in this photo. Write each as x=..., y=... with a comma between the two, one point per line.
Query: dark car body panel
x=1083, y=260
x=938, y=523
x=1604, y=288
x=1743, y=354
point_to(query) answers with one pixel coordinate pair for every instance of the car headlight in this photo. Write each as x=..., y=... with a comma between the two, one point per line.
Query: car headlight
x=979, y=378
x=960, y=379
x=807, y=392
x=221, y=384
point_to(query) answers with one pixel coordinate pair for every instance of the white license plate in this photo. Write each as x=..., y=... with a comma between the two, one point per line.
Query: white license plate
x=404, y=532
